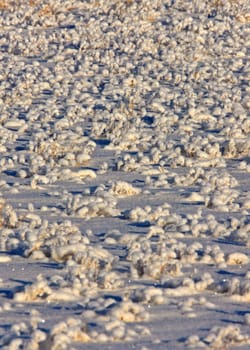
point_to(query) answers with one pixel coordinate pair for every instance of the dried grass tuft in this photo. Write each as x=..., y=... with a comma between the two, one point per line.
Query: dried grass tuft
x=3, y=5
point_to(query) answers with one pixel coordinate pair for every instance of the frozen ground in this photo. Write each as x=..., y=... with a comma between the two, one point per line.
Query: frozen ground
x=125, y=167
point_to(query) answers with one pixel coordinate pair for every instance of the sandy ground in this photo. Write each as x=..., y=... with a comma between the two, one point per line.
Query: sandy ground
x=124, y=186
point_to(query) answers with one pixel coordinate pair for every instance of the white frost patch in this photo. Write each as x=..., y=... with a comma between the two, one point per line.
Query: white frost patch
x=4, y=259
x=124, y=189
x=220, y=338
x=81, y=174
x=101, y=204
x=195, y=197
x=237, y=259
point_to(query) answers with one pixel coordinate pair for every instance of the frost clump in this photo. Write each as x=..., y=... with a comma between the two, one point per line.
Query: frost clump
x=237, y=259
x=220, y=338
x=8, y=216
x=124, y=189
x=101, y=204
x=57, y=241
x=111, y=327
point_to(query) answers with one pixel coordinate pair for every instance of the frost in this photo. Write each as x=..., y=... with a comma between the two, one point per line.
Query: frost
x=124, y=189
x=124, y=163
x=237, y=259
x=220, y=337
x=101, y=204
x=8, y=216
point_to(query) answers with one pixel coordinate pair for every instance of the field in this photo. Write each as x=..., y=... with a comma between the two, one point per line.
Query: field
x=124, y=174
